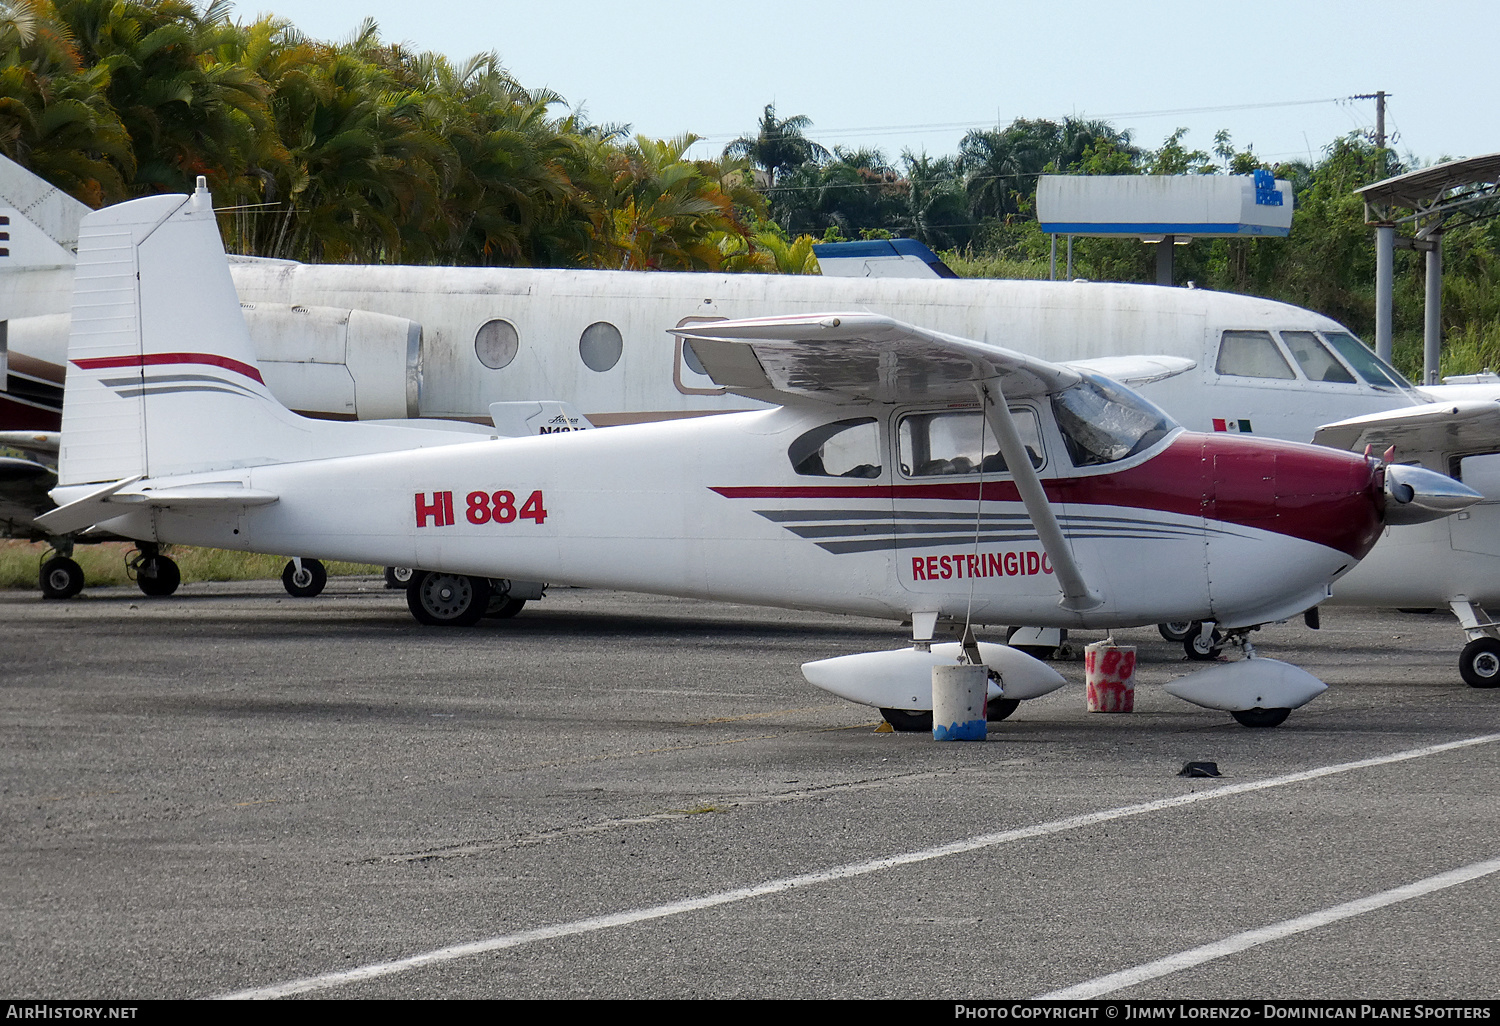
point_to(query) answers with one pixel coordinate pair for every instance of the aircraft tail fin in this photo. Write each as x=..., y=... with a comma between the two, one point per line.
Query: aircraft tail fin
x=38, y=221
x=162, y=377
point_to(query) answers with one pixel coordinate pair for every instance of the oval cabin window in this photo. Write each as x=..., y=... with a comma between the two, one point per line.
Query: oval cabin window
x=600, y=346
x=496, y=343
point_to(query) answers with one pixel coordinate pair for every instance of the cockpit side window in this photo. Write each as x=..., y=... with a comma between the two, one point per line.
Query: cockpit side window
x=1314, y=358
x=1252, y=354
x=1103, y=422
x=845, y=448
x=949, y=443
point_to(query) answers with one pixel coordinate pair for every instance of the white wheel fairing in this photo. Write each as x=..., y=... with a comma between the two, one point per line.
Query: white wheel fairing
x=902, y=678
x=1248, y=684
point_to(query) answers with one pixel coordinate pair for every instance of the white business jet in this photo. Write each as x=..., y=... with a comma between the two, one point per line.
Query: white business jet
x=906, y=474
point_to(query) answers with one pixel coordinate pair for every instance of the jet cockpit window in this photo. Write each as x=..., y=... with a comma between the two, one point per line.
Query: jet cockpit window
x=1252, y=354
x=1103, y=422
x=1369, y=366
x=935, y=444
x=1315, y=359
x=845, y=448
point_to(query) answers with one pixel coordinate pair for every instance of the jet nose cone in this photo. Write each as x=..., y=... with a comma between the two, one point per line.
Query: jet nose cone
x=1414, y=495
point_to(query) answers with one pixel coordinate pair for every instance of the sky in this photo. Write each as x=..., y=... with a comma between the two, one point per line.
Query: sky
x=916, y=75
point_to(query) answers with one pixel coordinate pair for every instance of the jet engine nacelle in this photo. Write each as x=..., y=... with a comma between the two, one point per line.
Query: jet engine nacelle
x=343, y=363
x=318, y=360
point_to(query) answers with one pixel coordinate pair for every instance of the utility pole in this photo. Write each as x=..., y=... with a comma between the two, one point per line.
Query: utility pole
x=1385, y=241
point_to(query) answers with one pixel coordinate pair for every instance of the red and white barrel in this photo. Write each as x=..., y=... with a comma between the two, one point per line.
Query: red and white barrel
x=1109, y=673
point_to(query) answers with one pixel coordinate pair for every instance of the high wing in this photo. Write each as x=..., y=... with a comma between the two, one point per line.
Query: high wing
x=850, y=358
x=1135, y=370
x=1471, y=425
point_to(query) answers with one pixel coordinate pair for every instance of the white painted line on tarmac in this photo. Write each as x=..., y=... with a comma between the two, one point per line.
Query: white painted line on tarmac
x=1266, y=934
x=327, y=981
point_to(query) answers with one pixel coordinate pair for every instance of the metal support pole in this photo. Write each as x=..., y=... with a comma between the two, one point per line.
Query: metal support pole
x=1432, y=308
x=1385, y=248
x=1054, y=257
x=1164, y=260
x=1070, y=258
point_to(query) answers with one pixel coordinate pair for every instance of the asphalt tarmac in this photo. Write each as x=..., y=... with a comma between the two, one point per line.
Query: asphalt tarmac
x=233, y=792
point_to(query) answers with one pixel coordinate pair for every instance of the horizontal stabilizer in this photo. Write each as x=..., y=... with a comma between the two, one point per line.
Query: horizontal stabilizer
x=520, y=420
x=1135, y=371
x=844, y=358
x=44, y=443
x=91, y=509
x=115, y=500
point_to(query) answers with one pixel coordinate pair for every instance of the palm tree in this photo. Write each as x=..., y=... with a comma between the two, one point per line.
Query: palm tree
x=778, y=145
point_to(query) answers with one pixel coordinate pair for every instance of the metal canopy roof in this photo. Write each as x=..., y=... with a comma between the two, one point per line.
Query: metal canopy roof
x=1433, y=192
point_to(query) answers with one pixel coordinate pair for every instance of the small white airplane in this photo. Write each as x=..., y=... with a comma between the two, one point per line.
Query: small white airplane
x=397, y=342
x=905, y=474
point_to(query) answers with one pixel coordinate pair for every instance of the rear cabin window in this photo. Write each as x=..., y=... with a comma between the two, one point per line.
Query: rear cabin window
x=942, y=444
x=1252, y=354
x=1315, y=359
x=845, y=448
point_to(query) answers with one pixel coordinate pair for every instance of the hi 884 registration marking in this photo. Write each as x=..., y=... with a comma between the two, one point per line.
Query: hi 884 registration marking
x=435, y=509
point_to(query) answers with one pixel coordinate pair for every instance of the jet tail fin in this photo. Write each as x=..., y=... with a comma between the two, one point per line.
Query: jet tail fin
x=38, y=221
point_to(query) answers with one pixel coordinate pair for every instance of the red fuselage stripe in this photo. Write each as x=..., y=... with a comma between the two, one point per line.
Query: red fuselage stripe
x=160, y=359
x=1327, y=496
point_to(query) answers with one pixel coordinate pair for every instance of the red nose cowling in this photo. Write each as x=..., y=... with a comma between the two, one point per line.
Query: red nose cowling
x=1321, y=495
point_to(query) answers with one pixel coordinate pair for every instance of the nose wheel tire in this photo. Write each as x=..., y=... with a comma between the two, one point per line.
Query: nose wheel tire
x=1479, y=663
x=304, y=583
x=61, y=578
x=1177, y=630
x=157, y=576
x=1260, y=717
x=447, y=600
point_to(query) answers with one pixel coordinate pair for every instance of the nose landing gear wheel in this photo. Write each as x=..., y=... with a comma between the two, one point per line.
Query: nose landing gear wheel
x=61, y=578
x=447, y=600
x=1479, y=663
x=307, y=582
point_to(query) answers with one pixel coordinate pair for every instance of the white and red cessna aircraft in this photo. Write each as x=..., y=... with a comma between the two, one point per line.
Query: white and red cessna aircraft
x=905, y=474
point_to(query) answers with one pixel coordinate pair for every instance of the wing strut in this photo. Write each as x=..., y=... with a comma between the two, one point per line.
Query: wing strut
x=1077, y=596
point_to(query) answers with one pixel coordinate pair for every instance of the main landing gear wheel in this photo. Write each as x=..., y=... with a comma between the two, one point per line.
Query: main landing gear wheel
x=908, y=721
x=304, y=583
x=157, y=576
x=504, y=608
x=60, y=578
x=1479, y=663
x=1260, y=717
x=997, y=709
x=398, y=576
x=447, y=600
x=1176, y=630
x=1203, y=651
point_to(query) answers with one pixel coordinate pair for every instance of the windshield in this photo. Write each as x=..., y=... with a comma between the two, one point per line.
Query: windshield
x=1365, y=363
x=1102, y=421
